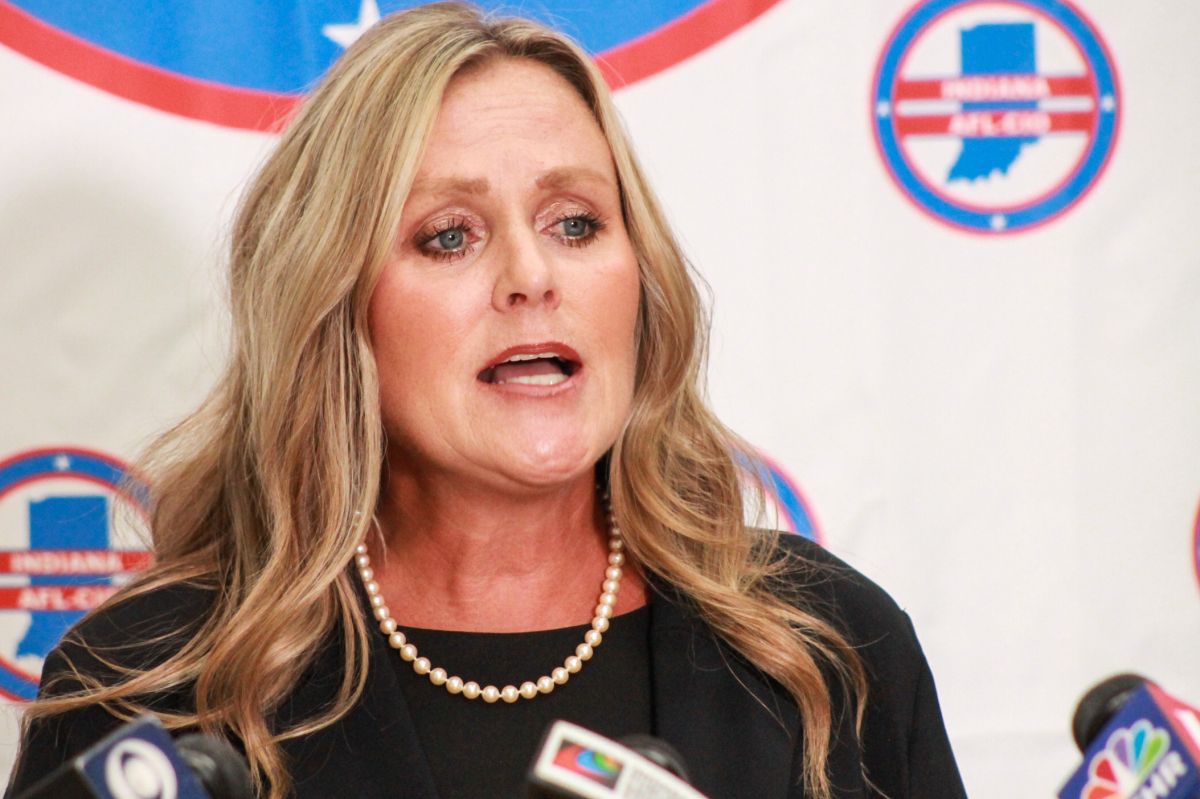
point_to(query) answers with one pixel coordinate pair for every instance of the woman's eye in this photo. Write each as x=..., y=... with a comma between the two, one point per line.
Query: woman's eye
x=575, y=227
x=450, y=239
x=578, y=230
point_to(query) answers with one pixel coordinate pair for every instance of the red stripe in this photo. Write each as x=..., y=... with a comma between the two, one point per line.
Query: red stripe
x=141, y=83
x=73, y=561
x=678, y=40
x=250, y=109
x=64, y=598
x=994, y=124
x=951, y=88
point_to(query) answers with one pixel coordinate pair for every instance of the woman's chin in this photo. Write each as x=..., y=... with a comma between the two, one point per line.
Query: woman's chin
x=548, y=463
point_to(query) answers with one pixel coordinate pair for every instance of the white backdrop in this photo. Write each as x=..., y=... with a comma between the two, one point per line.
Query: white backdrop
x=1001, y=429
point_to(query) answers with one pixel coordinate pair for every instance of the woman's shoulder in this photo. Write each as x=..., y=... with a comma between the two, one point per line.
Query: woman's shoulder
x=136, y=629
x=819, y=581
x=902, y=711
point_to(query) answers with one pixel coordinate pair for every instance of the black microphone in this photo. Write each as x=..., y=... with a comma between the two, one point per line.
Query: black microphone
x=658, y=752
x=576, y=763
x=221, y=768
x=1137, y=741
x=139, y=760
x=1101, y=702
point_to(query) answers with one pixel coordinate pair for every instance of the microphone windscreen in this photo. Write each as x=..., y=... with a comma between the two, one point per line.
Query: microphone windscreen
x=1100, y=704
x=221, y=768
x=658, y=752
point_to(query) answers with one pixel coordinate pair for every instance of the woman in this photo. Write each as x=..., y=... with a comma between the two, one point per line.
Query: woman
x=466, y=363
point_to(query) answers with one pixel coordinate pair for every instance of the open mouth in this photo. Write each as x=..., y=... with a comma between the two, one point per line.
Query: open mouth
x=531, y=369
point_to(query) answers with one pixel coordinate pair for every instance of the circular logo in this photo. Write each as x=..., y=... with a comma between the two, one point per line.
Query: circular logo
x=245, y=65
x=136, y=769
x=60, y=552
x=995, y=116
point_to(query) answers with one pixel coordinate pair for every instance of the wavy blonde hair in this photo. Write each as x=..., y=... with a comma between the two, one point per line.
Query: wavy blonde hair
x=264, y=492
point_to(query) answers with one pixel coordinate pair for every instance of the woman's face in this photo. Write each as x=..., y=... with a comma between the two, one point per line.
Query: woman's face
x=503, y=326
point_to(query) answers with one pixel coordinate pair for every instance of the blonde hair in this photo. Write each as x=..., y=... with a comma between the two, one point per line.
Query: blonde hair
x=264, y=492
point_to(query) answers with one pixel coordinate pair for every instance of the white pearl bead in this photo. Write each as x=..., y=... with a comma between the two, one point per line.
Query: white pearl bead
x=546, y=684
x=593, y=638
x=600, y=624
x=528, y=690
x=438, y=676
x=604, y=611
x=408, y=652
x=613, y=573
x=560, y=676
x=372, y=587
x=397, y=640
x=454, y=685
x=608, y=599
x=377, y=601
x=367, y=574
x=387, y=624
x=611, y=586
x=573, y=664
x=490, y=694
x=471, y=690
x=583, y=652
x=382, y=612
x=616, y=544
x=362, y=560
x=361, y=549
x=616, y=559
x=510, y=694
x=422, y=665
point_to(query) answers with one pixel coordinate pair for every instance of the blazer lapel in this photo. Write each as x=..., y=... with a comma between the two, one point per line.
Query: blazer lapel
x=737, y=737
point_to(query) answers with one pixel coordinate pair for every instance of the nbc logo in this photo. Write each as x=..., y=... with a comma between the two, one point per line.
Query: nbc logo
x=1136, y=763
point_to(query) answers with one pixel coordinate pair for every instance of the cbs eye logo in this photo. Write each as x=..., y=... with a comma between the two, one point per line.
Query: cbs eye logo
x=136, y=769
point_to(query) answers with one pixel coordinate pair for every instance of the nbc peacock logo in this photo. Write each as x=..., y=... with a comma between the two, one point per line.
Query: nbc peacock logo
x=1135, y=756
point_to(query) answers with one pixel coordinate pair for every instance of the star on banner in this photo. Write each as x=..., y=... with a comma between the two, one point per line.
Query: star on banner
x=345, y=35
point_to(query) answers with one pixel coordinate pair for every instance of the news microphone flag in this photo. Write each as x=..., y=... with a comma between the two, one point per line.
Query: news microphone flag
x=1149, y=750
x=136, y=761
x=576, y=763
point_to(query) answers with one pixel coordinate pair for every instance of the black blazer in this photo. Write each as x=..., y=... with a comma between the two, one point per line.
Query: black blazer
x=737, y=730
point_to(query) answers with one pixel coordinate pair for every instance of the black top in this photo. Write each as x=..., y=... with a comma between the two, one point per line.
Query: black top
x=737, y=730
x=481, y=751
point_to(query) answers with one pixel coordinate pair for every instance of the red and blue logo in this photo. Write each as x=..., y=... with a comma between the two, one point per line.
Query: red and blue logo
x=61, y=558
x=995, y=116
x=246, y=64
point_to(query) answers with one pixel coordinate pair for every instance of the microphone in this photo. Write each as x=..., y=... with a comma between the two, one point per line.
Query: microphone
x=576, y=763
x=1138, y=742
x=139, y=760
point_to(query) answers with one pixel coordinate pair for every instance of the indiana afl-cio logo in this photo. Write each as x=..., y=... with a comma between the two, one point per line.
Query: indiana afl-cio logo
x=58, y=556
x=995, y=117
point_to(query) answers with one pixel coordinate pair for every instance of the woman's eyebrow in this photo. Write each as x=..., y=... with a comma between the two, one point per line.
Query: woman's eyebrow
x=443, y=186
x=565, y=176
x=557, y=178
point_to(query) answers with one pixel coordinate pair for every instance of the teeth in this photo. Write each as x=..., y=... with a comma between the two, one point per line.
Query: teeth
x=526, y=357
x=536, y=380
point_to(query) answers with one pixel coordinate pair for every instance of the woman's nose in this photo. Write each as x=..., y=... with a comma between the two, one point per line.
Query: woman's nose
x=527, y=274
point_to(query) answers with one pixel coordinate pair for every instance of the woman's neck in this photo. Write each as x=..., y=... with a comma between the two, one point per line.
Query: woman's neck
x=462, y=557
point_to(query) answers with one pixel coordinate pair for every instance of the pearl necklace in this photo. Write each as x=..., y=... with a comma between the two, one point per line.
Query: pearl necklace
x=509, y=693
